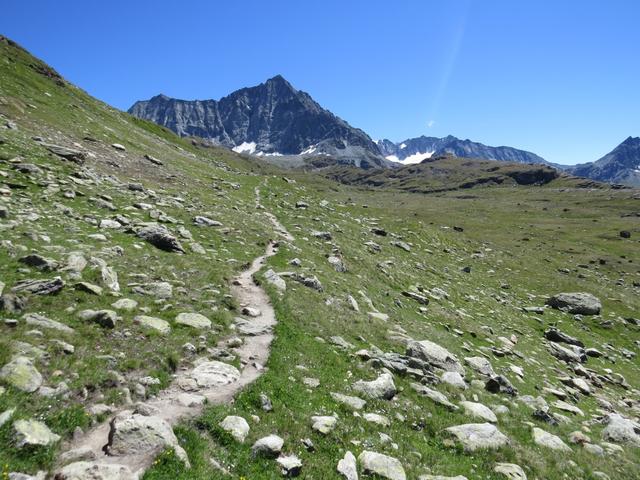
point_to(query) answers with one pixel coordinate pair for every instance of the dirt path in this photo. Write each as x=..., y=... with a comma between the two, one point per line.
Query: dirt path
x=210, y=381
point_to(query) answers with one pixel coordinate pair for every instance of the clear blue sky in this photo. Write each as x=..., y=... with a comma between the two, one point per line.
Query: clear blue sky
x=557, y=77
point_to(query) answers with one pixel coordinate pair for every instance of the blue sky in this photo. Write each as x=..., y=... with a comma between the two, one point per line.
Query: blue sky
x=559, y=78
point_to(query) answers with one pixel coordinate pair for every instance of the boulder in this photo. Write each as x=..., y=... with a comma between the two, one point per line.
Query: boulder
x=21, y=374
x=383, y=466
x=236, y=426
x=269, y=446
x=160, y=237
x=548, y=440
x=95, y=471
x=578, y=302
x=210, y=374
x=39, y=287
x=621, y=430
x=382, y=387
x=153, y=323
x=347, y=467
x=475, y=436
x=30, y=433
x=135, y=434
x=434, y=354
x=479, y=410
x=510, y=470
x=194, y=320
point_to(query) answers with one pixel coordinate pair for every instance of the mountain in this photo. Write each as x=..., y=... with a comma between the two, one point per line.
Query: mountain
x=621, y=165
x=270, y=119
x=414, y=150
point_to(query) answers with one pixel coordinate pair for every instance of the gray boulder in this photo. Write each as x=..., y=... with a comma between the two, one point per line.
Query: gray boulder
x=578, y=302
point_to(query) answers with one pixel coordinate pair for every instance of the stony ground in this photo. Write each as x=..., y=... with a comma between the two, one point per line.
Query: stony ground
x=418, y=336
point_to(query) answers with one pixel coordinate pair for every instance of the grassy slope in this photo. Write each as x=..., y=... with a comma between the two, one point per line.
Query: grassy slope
x=520, y=236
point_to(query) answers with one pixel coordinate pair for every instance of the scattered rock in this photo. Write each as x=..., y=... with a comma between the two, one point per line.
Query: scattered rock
x=236, y=426
x=373, y=463
x=269, y=446
x=474, y=436
x=347, y=467
x=548, y=440
x=21, y=374
x=435, y=355
x=382, y=387
x=194, y=320
x=30, y=433
x=580, y=303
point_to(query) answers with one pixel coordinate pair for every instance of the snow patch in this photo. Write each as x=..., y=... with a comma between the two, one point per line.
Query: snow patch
x=245, y=147
x=393, y=158
x=309, y=150
x=417, y=157
x=404, y=145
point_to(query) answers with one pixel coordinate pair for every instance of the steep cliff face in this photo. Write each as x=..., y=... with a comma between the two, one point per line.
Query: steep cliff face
x=271, y=118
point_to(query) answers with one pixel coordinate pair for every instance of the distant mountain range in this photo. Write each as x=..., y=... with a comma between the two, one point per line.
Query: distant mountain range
x=414, y=150
x=274, y=119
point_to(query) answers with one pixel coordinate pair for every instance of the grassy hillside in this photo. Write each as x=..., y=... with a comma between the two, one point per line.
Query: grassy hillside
x=512, y=247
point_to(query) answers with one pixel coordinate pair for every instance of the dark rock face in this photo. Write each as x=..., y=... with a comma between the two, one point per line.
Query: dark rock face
x=425, y=147
x=271, y=118
x=621, y=165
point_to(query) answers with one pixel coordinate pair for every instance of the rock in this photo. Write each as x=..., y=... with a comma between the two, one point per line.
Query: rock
x=337, y=264
x=403, y=245
x=265, y=403
x=417, y=297
x=206, y=222
x=95, y=471
x=210, y=374
x=480, y=365
x=555, y=335
x=125, y=304
x=437, y=397
x=82, y=454
x=11, y=303
x=567, y=407
x=322, y=235
x=153, y=323
x=135, y=434
x=500, y=384
x=30, y=433
x=88, y=288
x=21, y=374
x=39, y=287
x=194, y=320
x=354, y=403
x=347, y=467
x=474, y=436
x=548, y=440
x=454, y=379
x=377, y=419
x=382, y=387
x=39, y=262
x=479, y=410
x=580, y=303
x=269, y=446
x=6, y=416
x=290, y=465
x=568, y=355
x=625, y=234
x=104, y=318
x=160, y=290
x=323, y=424
x=70, y=154
x=236, y=426
x=311, y=281
x=621, y=430
x=118, y=146
x=153, y=160
x=373, y=463
x=435, y=355
x=40, y=321
x=276, y=280
x=160, y=237
x=338, y=341
x=510, y=470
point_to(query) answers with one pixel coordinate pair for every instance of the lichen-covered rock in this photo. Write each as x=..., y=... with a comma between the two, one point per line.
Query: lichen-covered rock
x=21, y=374
x=382, y=465
x=475, y=436
x=29, y=433
x=578, y=302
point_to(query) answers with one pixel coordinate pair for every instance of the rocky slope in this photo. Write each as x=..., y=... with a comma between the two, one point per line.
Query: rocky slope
x=621, y=165
x=414, y=150
x=272, y=118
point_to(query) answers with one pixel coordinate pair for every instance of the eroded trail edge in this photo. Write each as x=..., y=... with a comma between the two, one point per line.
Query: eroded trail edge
x=126, y=446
